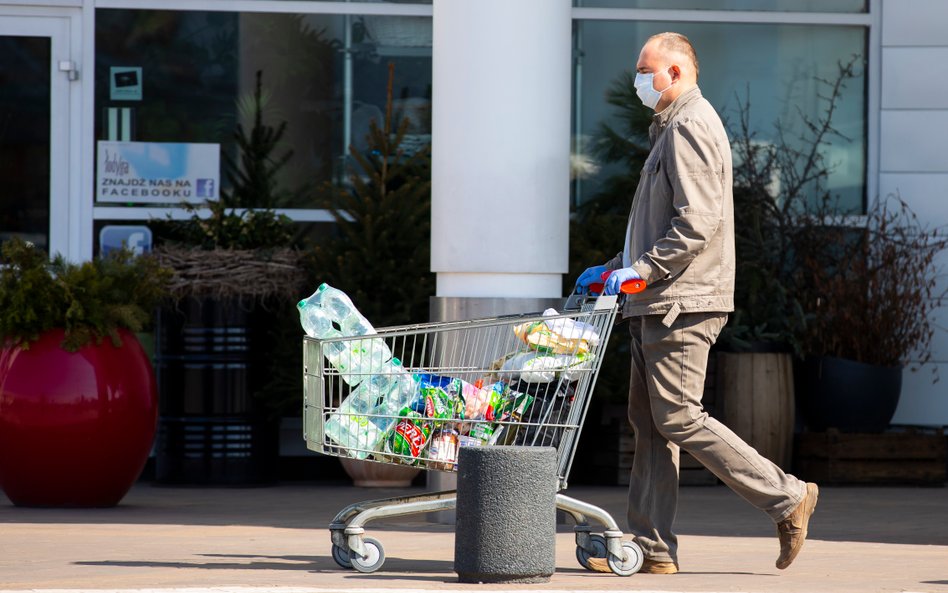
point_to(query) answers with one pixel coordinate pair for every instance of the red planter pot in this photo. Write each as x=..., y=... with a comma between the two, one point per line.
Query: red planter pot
x=75, y=428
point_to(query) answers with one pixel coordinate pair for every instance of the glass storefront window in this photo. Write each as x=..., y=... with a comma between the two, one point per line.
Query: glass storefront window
x=324, y=76
x=762, y=5
x=24, y=138
x=775, y=68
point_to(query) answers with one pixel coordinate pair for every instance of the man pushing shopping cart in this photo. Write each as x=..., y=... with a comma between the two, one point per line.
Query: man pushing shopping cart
x=680, y=241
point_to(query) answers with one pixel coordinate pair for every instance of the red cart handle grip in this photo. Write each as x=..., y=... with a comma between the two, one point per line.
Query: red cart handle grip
x=628, y=287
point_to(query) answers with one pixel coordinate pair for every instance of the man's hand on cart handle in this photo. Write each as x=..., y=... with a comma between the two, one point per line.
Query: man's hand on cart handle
x=594, y=280
x=625, y=280
x=590, y=280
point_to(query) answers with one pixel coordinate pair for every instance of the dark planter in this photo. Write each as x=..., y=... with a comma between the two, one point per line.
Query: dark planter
x=212, y=357
x=75, y=427
x=847, y=395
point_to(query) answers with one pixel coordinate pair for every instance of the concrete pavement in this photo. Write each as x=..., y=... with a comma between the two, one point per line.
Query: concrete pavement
x=246, y=540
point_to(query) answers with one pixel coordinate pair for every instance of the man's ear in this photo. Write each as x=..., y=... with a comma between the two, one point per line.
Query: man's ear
x=675, y=72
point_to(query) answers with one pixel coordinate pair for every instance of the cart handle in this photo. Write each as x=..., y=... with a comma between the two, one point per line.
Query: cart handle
x=628, y=287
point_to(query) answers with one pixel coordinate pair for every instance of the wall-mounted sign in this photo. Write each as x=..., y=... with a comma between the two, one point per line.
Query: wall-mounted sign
x=157, y=172
x=114, y=236
x=125, y=83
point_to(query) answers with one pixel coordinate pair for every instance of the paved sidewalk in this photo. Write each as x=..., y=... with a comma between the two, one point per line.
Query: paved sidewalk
x=232, y=540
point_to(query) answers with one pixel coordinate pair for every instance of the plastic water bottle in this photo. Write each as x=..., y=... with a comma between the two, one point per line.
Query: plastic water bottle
x=316, y=321
x=371, y=409
x=329, y=313
x=352, y=425
x=398, y=389
x=364, y=364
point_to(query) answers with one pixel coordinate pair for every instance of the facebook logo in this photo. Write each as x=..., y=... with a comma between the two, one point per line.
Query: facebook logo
x=205, y=188
x=135, y=238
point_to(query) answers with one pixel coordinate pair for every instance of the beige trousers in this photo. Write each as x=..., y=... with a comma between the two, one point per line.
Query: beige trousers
x=665, y=390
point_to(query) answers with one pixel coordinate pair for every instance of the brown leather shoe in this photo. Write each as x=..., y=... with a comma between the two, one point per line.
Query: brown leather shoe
x=655, y=567
x=648, y=567
x=792, y=530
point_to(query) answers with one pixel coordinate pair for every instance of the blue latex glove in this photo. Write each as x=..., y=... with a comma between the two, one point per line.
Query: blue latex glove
x=615, y=280
x=591, y=275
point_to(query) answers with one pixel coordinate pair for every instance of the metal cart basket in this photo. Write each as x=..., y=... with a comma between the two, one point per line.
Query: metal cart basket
x=512, y=380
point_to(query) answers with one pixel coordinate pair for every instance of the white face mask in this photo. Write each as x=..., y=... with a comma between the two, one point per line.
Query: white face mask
x=645, y=89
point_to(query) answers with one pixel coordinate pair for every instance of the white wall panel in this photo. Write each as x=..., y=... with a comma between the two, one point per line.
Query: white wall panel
x=939, y=346
x=914, y=22
x=914, y=141
x=915, y=77
x=941, y=265
x=926, y=194
x=923, y=403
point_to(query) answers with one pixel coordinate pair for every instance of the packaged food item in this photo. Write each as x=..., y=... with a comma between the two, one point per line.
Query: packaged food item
x=469, y=441
x=431, y=380
x=514, y=406
x=438, y=397
x=443, y=450
x=558, y=335
x=476, y=400
x=409, y=437
x=481, y=401
x=483, y=433
x=438, y=404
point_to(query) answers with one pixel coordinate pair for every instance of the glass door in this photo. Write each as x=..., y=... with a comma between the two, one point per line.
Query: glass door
x=35, y=74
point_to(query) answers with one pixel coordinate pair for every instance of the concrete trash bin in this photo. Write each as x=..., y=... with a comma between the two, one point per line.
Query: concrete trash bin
x=506, y=515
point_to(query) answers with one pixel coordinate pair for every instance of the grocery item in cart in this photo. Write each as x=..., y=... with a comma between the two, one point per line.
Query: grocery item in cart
x=483, y=433
x=381, y=387
x=542, y=367
x=443, y=450
x=438, y=404
x=509, y=415
x=559, y=335
x=380, y=397
x=409, y=437
x=353, y=430
x=439, y=397
x=515, y=405
x=480, y=402
x=329, y=313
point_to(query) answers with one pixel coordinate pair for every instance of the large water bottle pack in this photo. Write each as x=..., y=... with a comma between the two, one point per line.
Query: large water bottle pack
x=381, y=387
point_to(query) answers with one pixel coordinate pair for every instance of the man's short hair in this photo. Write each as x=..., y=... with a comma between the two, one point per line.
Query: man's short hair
x=678, y=43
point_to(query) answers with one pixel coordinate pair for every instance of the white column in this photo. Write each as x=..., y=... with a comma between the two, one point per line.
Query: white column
x=500, y=160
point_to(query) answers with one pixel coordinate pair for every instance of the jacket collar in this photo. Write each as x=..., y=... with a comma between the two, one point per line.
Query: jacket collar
x=686, y=98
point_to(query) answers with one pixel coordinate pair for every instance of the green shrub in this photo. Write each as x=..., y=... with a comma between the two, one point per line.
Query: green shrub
x=89, y=301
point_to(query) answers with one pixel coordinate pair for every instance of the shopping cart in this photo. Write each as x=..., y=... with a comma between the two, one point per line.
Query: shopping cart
x=512, y=380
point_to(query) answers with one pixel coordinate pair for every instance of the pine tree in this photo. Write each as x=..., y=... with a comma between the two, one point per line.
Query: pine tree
x=380, y=255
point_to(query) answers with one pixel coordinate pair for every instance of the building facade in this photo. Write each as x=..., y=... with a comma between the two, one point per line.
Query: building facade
x=509, y=94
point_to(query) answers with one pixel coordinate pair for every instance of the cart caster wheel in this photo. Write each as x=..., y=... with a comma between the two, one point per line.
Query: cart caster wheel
x=631, y=564
x=341, y=556
x=598, y=543
x=373, y=559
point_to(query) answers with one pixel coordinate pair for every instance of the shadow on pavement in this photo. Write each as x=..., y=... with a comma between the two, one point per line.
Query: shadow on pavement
x=872, y=514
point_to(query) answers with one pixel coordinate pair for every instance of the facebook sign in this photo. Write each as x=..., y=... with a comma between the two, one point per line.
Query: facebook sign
x=136, y=238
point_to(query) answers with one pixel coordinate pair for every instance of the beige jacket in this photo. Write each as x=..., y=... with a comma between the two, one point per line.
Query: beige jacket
x=680, y=236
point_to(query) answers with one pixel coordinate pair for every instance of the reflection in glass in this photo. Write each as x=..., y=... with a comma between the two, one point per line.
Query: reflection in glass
x=773, y=67
x=24, y=138
x=323, y=75
x=762, y=5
